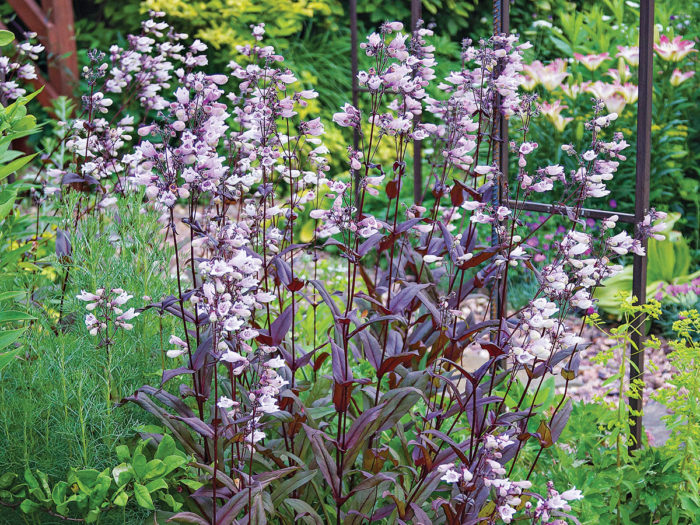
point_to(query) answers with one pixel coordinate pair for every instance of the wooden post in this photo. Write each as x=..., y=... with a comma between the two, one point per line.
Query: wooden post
x=53, y=22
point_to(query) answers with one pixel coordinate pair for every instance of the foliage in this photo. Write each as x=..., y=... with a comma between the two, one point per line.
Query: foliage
x=378, y=382
x=682, y=392
x=653, y=484
x=668, y=268
x=598, y=40
x=87, y=495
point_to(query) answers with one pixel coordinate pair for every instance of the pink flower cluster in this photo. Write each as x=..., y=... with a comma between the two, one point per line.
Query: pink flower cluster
x=105, y=307
x=15, y=71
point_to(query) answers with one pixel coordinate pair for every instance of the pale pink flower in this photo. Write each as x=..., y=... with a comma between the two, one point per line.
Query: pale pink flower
x=592, y=62
x=553, y=113
x=678, y=77
x=550, y=76
x=674, y=50
x=629, y=53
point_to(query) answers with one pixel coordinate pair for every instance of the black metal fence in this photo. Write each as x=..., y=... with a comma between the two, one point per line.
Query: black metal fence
x=501, y=24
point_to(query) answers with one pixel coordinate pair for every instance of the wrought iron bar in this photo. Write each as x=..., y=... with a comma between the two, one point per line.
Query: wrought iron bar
x=416, y=14
x=501, y=24
x=588, y=213
x=355, y=85
x=641, y=203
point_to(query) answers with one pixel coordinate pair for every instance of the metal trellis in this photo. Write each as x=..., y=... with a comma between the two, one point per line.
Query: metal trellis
x=501, y=24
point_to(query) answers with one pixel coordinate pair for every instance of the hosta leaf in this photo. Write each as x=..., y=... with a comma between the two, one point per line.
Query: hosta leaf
x=6, y=37
x=143, y=497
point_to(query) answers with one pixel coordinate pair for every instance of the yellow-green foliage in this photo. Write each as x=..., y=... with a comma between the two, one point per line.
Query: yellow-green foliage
x=226, y=23
x=681, y=394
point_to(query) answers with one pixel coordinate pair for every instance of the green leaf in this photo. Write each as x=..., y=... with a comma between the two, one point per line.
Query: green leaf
x=7, y=478
x=4, y=296
x=139, y=464
x=154, y=469
x=166, y=447
x=156, y=484
x=120, y=499
x=14, y=315
x=60, y=489
x=29, y=507
x=7, y=357
x=123, y=453
x=6, y=37
x=168, y=498
x=86, y=479
x=32, y=482
x=7, y=202
x=173, y=462
x=143, y=497
x=13, y=166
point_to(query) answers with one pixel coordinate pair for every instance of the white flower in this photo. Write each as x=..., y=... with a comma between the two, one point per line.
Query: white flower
x=276, y=362
x=225, y=402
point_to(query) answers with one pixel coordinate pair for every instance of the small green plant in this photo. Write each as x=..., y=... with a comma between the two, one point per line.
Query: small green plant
x=657, y=485
x=15, y=123
x=86, y=495
x=681, y=394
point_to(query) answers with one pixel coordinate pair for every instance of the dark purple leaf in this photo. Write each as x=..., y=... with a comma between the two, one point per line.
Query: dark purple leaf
x=341, y=374
x=169, y=374
x=421, y=517
x=369, y=244
x=280, y=326
x=390, y=363
x=403, y=299
x=64, y=250
x=560, y=419
x=323, y=459
x=198, y=426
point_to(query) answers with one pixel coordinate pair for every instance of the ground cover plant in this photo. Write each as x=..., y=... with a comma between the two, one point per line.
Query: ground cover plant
x=223, y=321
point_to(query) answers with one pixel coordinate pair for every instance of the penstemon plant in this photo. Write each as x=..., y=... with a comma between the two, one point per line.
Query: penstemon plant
x=374, y=416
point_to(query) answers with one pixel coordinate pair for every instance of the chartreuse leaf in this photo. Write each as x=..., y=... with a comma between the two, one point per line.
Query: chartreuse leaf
x=166, y=447
x=123, y=453
x=7, y=202
x=143, y=497
x=120, y=498
x=13, y=166
x=6, y=37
